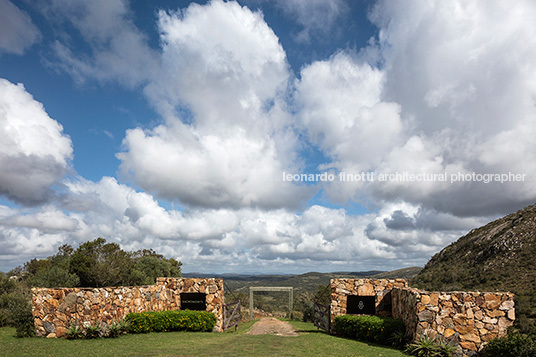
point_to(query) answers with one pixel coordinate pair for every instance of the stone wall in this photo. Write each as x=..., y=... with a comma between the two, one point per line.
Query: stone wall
x=380, y=288
x=54, y=310
x=470, y=319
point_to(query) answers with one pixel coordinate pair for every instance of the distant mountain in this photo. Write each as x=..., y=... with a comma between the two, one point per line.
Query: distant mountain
x=500, y=256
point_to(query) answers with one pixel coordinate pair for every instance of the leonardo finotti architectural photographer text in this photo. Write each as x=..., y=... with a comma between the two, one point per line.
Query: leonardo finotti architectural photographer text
x=370, y=176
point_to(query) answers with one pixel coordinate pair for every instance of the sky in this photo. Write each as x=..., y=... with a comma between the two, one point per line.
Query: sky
x=260, y=136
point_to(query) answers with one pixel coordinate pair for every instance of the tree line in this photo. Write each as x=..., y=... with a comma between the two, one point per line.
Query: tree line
x=97, y=264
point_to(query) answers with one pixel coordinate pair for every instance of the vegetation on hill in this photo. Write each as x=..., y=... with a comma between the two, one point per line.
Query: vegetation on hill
x=499, y=256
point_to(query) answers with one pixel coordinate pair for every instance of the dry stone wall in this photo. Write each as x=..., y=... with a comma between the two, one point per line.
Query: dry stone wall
x=380, y=288
x=54, y=310
x=470, y=319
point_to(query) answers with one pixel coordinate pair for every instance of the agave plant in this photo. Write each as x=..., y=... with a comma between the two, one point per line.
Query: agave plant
x=447, y=348
x=117, y=328
x=428, y=346
x=74, y=332
x=398, y=338
x=124, y=325
x=93, y=330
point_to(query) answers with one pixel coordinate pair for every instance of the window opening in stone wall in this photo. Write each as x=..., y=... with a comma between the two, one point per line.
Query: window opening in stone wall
x=193, y=301
x=365, y=305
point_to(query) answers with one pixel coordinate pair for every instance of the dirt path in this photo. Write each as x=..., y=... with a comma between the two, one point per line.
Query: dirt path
x=272, y=326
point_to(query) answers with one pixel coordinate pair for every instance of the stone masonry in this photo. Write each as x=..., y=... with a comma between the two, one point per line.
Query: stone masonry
x=380, y=288
x=469, y=319
x=55, y=310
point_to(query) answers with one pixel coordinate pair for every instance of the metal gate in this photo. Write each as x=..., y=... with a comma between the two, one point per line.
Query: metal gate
x=321, y=316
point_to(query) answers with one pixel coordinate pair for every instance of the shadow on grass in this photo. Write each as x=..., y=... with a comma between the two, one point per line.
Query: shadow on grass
x=311, y=331
x=368, y=343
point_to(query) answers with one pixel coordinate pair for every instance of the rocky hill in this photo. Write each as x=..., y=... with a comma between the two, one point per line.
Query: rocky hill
x=500, y=256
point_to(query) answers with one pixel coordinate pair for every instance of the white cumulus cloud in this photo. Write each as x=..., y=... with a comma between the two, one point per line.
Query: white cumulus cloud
x=34, y=151
x=223, y=65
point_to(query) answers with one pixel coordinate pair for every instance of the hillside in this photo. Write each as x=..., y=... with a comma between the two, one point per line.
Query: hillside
x=499, y=256
x=404, y=273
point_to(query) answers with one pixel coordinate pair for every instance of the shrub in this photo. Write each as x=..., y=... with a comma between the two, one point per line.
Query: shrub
x=427, y=346
x=513, y=345
x=368, y=328
x=4, y=319
x=11, y=293
x=20, y=314
x=297, y=316
x=74, y=332
x=15, y=306
x=183, y=320
x=93, y=330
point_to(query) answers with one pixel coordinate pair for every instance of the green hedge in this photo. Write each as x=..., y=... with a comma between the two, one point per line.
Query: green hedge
x=369, y=328
x=173, y=320
x=513, y=345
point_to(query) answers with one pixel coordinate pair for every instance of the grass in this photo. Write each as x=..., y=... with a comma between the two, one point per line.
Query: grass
x=310, y=343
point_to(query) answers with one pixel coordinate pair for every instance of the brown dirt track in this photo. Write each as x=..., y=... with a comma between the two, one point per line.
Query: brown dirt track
x=272, y=326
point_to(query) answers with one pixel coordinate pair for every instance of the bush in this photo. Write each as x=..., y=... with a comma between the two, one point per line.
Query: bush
x=368, y=328
x=20, y=314
x=183, y=320
x=297, y=316
x=513, y=345
x=4, y=319
x=11, y=292
x=427, y=346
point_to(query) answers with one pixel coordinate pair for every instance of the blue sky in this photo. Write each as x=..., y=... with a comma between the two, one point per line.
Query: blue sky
x=170, y=125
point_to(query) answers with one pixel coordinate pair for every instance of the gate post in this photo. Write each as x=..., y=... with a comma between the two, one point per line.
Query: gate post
x=250, y=304
x=290, y=303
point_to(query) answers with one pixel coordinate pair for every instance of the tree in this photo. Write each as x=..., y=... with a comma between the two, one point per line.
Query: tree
x=54, y=277
x=52, y=272
x=323, y=294
x=153, y=267
x=98, y=264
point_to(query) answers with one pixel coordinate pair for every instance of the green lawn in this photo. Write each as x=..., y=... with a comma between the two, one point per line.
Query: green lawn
x=310, y=343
